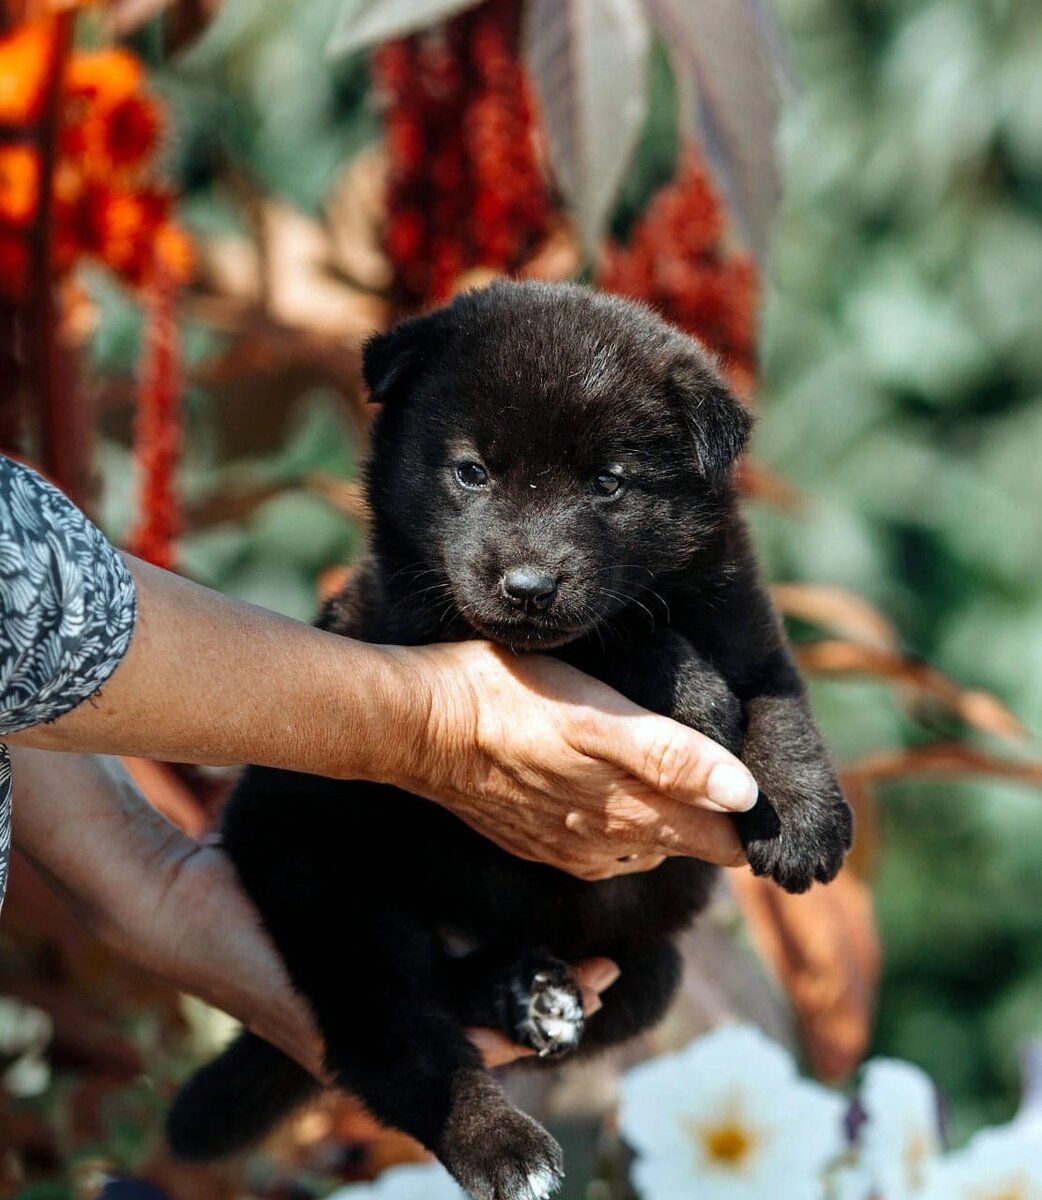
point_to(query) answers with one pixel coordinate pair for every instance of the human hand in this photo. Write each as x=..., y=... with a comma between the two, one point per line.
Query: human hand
x=556, y=767
x=205, y=938
x=175, y=907
x=594, y=976
x=548, y=763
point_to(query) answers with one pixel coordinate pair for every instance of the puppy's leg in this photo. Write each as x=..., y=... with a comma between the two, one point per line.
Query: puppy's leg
x=511, y=992
x=372, y=982
x=639, y=998
x=414, y=1068
x=801, y=827
x=661, y=670
x=531, y=996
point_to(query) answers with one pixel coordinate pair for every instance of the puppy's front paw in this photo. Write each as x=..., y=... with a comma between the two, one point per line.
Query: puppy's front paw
x=799, y=843
x=510, y=1157
x=551, y=1014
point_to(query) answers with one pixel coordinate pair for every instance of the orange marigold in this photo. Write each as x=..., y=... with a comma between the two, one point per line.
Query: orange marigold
x=25, y=58
x=103, y=75
x=19, y=184
x=120, y=138
x=119, y=227
x=174, y=253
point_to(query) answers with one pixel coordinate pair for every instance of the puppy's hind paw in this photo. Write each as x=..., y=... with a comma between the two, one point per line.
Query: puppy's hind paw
x=553, y=1021
x=511, y=1158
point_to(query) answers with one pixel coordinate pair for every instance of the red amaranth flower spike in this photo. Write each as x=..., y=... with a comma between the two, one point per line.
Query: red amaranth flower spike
x=158, y=428
x=679, y=260
x=465, y=188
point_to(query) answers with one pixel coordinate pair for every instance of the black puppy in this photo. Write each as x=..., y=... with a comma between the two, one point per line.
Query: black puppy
x=552, y=469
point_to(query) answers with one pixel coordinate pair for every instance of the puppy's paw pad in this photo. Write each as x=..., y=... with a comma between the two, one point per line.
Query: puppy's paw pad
x=554, y=1021
x=805, y=849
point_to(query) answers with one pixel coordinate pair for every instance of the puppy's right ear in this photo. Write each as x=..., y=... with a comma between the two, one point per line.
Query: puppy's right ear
x=393, y=361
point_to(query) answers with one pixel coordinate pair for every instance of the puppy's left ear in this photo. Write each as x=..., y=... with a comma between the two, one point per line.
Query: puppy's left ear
x=719, y=424
x=393, y=361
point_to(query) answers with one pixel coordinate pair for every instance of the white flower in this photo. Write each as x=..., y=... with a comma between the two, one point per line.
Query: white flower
x=850, y=1183
x=902, y=1134
x=998, y=1164
x=428, y=1181
x=729, y=1119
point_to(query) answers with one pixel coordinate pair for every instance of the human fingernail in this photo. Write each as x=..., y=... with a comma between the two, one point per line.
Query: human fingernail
x=732, y=788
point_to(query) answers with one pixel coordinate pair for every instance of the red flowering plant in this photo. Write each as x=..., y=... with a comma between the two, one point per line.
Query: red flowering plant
x=508, y=127
x=79, y=183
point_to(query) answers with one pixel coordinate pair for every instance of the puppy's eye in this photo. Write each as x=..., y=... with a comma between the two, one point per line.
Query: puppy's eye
x=471, y=475
x=607, y=483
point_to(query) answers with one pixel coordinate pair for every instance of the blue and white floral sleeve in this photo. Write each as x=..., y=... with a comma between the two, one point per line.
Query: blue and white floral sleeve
x=67, y=613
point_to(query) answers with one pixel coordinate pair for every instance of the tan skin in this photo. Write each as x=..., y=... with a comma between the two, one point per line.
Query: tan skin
x=549, y=764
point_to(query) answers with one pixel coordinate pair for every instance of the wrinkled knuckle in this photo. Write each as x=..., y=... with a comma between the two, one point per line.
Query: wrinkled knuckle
x=668, y=839
x=584, y=728
x=575, y=822
x=618, y=831
x=664, y=763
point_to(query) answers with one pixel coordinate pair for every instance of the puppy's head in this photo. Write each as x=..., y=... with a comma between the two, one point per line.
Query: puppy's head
x=544, y=454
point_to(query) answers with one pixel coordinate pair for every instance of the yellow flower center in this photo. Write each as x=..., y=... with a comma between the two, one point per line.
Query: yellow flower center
x=728, y=1145
x=918, y=1149
x=728, y=1141
x=1012, y=1189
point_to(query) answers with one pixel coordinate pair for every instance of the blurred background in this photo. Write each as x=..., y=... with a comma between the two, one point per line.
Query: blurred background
x=241, y=191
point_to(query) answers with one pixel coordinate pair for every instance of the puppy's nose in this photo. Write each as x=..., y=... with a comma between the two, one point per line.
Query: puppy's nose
x=528, y=587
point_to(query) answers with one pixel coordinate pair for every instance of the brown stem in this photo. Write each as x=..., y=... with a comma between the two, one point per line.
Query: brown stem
x=62, y=430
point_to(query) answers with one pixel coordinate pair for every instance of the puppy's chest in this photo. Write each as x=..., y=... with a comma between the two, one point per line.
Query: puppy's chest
x=515, y=901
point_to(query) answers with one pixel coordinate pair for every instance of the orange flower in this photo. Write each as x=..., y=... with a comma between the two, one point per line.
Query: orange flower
x=25, y=58
x=19, y=184
x=103, y=75
x=174, y=253
x=120, y=138
x=120, y=227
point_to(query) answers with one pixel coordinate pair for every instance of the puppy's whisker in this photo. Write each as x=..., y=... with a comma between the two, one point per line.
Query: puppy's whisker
x=624, y=599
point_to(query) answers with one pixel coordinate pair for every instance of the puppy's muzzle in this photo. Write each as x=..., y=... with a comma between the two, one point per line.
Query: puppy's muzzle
x=529, y=588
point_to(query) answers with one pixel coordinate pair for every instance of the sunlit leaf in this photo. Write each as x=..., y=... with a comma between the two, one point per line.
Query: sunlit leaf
x=942, y=759
x=976, y=708
x=836, y=609
x=760, y=482
x=125, y=16
x=589, y=60
x=362, y=23
x=824, y=948
x=726, y=75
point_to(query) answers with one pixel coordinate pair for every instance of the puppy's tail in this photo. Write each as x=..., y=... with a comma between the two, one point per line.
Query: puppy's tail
x=236, y=1099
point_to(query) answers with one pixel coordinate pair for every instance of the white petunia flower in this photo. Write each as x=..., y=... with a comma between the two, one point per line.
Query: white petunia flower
x=902, y=1134
x=998, y=1164
x=850, y=1183
x=729, y=1119
x=427, y=1181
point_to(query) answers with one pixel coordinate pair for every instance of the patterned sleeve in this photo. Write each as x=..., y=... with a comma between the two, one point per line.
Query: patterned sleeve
x=67, y=613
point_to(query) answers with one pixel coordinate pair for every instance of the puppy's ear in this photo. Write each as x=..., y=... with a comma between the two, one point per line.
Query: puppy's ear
x=718, y=423
x=393, y=361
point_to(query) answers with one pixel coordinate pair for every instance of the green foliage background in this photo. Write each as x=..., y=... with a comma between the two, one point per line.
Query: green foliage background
x=903, y=372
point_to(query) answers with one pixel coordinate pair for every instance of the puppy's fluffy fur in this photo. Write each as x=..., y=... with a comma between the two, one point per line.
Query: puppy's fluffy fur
x=551, y=469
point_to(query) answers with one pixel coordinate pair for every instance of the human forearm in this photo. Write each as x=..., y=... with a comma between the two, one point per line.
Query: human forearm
x=164, y=902
x=208, y=679
x=548, y=763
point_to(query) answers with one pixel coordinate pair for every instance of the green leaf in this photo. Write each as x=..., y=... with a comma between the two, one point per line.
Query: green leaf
x=589, y=60
x=363, y=23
